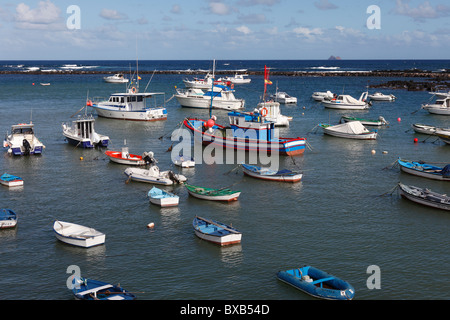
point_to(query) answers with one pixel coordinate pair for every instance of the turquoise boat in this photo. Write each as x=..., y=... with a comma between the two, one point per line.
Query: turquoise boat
x=425, y=170
x=317, y=283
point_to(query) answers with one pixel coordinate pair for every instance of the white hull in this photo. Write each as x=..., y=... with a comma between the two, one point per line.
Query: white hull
x=165, y=202
x=5, y=224
x=152, y=114
x=216, y=198
x=150, y=176
x=382, y=97
x=205, y=103
x=223, y=241
x=424, y=129
x=370, y=136
x=293, y=178
x=342, y=106
x=15, y=183
x=78, y=235
x=435, y=109
x=424, y=174
x=116, y=80
x=419, y=200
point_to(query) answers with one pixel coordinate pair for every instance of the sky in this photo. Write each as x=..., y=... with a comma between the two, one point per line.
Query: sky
x=224, y=30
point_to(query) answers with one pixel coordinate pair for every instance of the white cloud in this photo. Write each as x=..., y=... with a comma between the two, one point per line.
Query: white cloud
x=244, y=29
x=45, y=13
x=219, y=8
x=423, y=10
x=109, y=14
x=175, y=9
x=324, y=5
x=308, y=33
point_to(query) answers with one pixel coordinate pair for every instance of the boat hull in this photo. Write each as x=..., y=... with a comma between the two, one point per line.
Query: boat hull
x=152, y=114
x=330, y=105
x=144, y=175
x=292, y=177
x=88, y=289
x=336, y=289
x=438, y=110
x=8, y=219
x=85, y=143
x=132, y=160
x=423, y=170
x=216, y=232
x=282, y=146
x=364, y=136
x=77, y=235
x=413, y=193
x=205, y=103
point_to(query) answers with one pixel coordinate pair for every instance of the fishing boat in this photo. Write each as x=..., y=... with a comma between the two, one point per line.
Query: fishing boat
x=317, y=283
x=77, y=235
x=117, y=78
x=425, y=196
x=283, y=175
x=223, y=194
x=378, y=96
x=8, y=219
x=216, y=97
x=425, y=170
x=350, y=130
x=247, y=132
x=163, y=198
x=10, y=180
x=347, y=102
x=183, y=162
x=366, y=122
x=199, y=83
x=236, y=79
x=283, y=97
x=443, y=134
x=320, y=96
x=124, y=157
x=81, y=133
x=22, y=141
x=271, y=111
x=424, y=128
x=88, y=289
x=216, y=232
x=441, y=107
x=131, y=105
x=154, y=175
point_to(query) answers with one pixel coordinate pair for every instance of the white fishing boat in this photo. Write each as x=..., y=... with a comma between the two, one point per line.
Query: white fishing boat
x=163, y=198
x=237, y=79
x=441, y=107
x=347, y=102
x=424, y=128
x=271, y=111
x=320, y=96
x=77, y=235
x=8, y=218
x=425, y=196
x=222, y=98
x=154, y=175
x=117, y=78
x=10, y=180
x=283, y=97
x=22, y=141
x=200, y=83
x=132, y=105
x=350, y=130
x=184, y=162
x=378, y=96
x=81, y=133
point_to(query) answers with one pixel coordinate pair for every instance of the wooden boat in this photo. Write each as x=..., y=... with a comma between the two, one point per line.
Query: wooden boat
x=425, y=197
x=8, y=219
x=10, y=180
x=424, y=128
x=77, y=235
x=444, y=135
x=184, y=162
x=154, y=175
x=223, y=194
x=366, y=122
x=88, y=289
x=163, y=198
x=317, y=283
x=22, y=140
x=216, y=232
x=425, y=170
x=350, y=130
x=284, y=175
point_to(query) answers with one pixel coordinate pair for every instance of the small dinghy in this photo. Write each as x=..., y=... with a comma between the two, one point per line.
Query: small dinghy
x=317, y=283
x=184, y=162
x=124, y=157
x=378, y=96
x=153, y=175
x=366, y=122
x=224, y=194
x=10, y=180
x=162, y=198
x=424, y=128
x=425, y=196
x=8, y=219
x=284, y=175
x=77, y=235
x=216, y=232
x=88, y=289
x=349, y=130
x=425, y=170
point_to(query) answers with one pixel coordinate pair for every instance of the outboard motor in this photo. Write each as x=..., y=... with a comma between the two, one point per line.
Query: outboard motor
x=26, y=147
x=173, y=177
x=148, y=158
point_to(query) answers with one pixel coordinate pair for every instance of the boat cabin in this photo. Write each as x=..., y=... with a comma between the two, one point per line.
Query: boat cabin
x=129, y=101
x=251, y=125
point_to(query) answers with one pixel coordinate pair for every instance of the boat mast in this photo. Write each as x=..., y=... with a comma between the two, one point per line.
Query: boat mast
x=212, y=88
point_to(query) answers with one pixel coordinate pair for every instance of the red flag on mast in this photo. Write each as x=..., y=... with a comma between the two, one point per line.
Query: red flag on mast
x=266, y=80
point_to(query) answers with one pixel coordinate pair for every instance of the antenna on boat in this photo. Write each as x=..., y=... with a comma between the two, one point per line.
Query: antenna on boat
x=212, y=88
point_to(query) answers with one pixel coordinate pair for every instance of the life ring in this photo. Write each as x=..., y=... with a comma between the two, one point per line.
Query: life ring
x=133, y=89
x=264, y=112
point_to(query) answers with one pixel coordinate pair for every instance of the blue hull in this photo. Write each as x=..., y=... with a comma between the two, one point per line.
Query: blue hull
x=86, y=144
x=88, y=289
x=320, y=284
x=18, y=152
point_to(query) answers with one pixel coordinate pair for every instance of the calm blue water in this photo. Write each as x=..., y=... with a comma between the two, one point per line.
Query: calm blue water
x=335, y=219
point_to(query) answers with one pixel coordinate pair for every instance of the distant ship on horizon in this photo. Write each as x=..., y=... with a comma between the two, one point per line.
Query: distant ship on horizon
x=334, y=58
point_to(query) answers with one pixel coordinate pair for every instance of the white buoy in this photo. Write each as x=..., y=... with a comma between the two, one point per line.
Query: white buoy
x=151, y=225
x=373, y=151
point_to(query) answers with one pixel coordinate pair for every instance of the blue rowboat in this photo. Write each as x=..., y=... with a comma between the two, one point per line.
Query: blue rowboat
x=8, y=218
x=215, y=232
x=425, y=170
x=317, y=283
x=88, y=289
x=10, y=180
